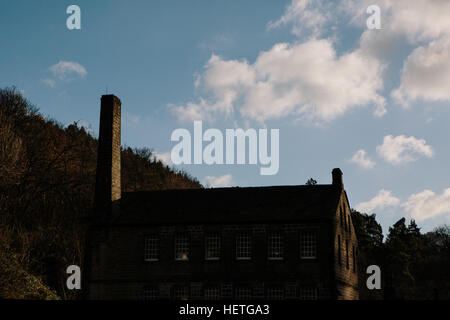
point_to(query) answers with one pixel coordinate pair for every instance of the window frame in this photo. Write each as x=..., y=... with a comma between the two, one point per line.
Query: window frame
x=301, y=241
x=147, y=249
x=175, y=244
x=281, y=246
x=250, y=246
x=209, y=236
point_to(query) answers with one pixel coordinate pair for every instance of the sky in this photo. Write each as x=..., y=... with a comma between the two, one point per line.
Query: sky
x=373, y=102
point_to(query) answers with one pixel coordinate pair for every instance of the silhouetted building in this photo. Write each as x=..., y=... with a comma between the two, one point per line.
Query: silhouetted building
x=284, y=242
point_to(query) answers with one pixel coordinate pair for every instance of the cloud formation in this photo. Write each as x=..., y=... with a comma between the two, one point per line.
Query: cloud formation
x=419, y=206
x=221, y=181
x=383, y=199
x=426, y=74
x=361, y=158
x=64, y=70
x=306, y=80
x=164, y=158
x=401, y=149
x=427, y=204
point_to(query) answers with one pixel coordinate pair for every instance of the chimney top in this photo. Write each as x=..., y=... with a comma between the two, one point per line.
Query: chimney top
x=337, y=177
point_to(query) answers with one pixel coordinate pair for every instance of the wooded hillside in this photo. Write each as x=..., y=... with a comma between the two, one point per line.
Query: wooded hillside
x=47, y=177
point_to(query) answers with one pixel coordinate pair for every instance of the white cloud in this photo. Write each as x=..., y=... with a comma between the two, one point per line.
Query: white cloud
x=401, y=149
x=86, y=126
x=305, y=16
x=419, y=206
x=383, y=199
x=164, y=158
x=306, y=80
x=426, y=74
x=221, y=181
x=64, y=70
x=49, y=82
x=418, y=20
x=361, y=158
x=427, y=204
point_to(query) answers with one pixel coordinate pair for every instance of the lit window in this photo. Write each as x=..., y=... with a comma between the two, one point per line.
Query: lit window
x=212, y=246
x=181, y=293
x=275, y=293
x=243, y=247
x=308, y=293
x=275, y=246
x=150, y=293
x=182, y=247
x=212, y=293
x=308, y=244
x=243, y=293
x=151, y=248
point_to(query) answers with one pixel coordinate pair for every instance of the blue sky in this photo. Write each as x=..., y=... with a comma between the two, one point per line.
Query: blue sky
x=336, y=90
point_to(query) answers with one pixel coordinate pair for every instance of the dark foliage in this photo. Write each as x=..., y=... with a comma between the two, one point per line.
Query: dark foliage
x=47, y=177
x=414, y=266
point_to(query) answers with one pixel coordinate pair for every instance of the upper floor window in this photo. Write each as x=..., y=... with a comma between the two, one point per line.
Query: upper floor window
x=307, y=293
x=275, y=293
x=151, y=248
x=182, y=246
x=339, y=250
x=212, y=293
x=308, y=244
x=180, y=293
x=275, y=246
x=347, y=262
x=349, y=224
x=243, y=293
x=354, y=258
x=243, y=246
x=212, y=246
x=150, y=293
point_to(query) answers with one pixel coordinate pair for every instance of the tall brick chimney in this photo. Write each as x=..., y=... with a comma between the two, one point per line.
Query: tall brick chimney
x=337, y=177
x=107, y=183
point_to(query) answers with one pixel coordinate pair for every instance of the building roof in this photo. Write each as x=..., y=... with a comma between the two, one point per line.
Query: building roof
x=229, y=205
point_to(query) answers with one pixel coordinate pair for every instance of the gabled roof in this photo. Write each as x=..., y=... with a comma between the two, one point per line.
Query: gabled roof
x=229, y=205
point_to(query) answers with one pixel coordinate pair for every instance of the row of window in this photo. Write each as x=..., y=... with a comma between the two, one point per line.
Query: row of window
x=345, y=221
x=240, y=293
x=243, y=245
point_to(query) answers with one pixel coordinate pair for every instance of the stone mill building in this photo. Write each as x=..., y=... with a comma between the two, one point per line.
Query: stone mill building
x=279, y=242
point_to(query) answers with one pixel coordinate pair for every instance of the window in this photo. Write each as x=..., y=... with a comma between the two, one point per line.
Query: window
x=339, y=250
x=180, y=293
x=150, y=293
x=349, y=225
x=354, y=258
x=182, y=246
x=212, y=293
x=243, y=293
x=347, y=262
x=341, y=216
x=308, y=244
x=308, y=293
x=243, y=246
x=151, y=248
x=212, y=246
x=275, y=293
x=275, y=246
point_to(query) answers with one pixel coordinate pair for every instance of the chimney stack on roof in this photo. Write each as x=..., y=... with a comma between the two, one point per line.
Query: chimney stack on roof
x=337, y=177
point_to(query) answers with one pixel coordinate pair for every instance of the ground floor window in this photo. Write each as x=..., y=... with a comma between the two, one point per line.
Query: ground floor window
x=307, y=293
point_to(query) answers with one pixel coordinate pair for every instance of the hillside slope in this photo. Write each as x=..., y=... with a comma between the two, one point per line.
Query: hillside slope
x=47, y=177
